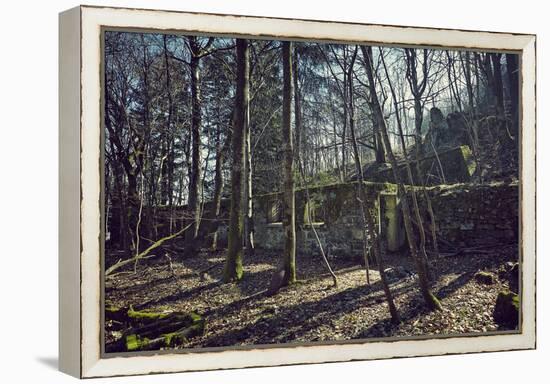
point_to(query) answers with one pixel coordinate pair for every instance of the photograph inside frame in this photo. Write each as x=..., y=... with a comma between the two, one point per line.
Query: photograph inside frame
x=260, y=192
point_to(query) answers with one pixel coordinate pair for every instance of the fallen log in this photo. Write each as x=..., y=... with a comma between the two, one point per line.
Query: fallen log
x=135, y=342
x=153, y=330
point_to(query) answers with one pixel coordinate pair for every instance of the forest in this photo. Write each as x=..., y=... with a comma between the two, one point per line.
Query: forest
x=260, y=191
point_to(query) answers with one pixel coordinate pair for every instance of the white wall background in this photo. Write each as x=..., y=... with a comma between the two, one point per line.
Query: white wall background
x=28, y=190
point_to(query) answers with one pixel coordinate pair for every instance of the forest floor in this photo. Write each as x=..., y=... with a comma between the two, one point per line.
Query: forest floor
x=313, y=310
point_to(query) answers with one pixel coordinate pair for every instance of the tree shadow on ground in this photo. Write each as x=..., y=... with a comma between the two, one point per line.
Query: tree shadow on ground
x=454, y=285
x=282, y=323
x=179, y=295
x=142, y=285
x=416, y=307
x=384, y=328
x=291, y=322
x=253, y=282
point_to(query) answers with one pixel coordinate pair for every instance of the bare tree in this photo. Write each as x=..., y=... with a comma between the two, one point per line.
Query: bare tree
x=286, y=273
x=367, y=221
x=418, y=87
x=249, y=210
x=221, y=149
x=289, y=210
x=233, y=266
x=429, y=298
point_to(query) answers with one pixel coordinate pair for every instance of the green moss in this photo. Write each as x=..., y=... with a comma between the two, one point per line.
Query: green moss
x=136, y=343
x=515, y=301
x=468, y=159
x=184, y=327
x=132, y=342
x=327, y=201
x=233, y=270
x=111, y=309
x=145, y=316
x=183, y=335
x=389, y=187
x=195, y=317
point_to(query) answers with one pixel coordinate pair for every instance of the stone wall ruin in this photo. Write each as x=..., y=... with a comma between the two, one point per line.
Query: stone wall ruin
x=335, y=215
x=467, y=215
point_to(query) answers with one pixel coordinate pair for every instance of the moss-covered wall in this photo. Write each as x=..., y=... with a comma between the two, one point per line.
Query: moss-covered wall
x=335, y=215
x=466, y=215
x=470, y=215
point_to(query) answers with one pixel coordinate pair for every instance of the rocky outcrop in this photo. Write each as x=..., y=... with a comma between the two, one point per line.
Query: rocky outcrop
x=506, y=311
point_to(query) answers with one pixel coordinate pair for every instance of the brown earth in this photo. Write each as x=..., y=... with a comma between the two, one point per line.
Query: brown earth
x=313, y=310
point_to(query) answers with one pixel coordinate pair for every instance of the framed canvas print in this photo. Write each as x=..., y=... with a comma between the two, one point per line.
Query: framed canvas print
x=251, y=191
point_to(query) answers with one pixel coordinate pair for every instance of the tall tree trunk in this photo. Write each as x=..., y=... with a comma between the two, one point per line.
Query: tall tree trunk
x=221, y=150
x=410, y=173
x=512, y=70
x=344, y=131
x=429, y=298
x=165, y=168
x=475, y=62
x=418, y=87
x=465, y=60
x=367, y=222
x=298, y=157
x=380, y=156
x=193, y=203
x=140, y=152
x=358, y=167
x=472, y=123
x=297, y=104
x=485, y=63
x=452, y=77
x=289, y=214
x=249, y=208
x=121, y=165
x=499, y=90
x=169, y=164
x=123, y=229
x=234, y=266
x=418, y=125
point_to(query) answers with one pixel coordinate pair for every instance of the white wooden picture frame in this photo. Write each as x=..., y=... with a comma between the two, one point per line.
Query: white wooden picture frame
x=80, y=189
